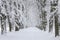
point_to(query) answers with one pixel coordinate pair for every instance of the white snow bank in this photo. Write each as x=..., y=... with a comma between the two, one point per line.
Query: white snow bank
x=31, y=33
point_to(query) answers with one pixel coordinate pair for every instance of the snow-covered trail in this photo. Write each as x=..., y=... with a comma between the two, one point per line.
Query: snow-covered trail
x=31, y=33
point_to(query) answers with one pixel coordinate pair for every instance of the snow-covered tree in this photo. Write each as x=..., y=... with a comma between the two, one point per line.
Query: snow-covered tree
x=41, y=7
x=54, y=9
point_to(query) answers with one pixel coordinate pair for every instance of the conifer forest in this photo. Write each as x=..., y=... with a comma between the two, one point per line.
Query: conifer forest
x=20, y=14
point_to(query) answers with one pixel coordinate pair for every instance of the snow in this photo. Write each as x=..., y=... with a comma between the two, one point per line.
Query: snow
x=31, y=33
x=31, y=20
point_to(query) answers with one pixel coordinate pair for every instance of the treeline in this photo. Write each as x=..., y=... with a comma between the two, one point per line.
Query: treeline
x=10, y=15
x=14, y=15
x=49, y=16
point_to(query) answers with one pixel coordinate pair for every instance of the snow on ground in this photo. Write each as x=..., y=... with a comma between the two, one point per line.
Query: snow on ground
x=31, y=33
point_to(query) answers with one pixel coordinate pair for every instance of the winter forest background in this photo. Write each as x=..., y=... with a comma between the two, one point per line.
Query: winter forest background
x=21, y=14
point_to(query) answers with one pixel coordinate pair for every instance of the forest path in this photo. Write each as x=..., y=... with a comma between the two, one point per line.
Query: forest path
x=31, y=33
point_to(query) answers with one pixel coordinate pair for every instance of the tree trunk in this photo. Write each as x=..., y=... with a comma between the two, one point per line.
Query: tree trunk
x=10, y=27
x=56, y=26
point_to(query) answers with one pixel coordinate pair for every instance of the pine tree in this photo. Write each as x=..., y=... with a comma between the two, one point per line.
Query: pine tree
x=54, y=5
x=9, y=21
x=3, y=17
x=43, y=14
x=16, y=21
